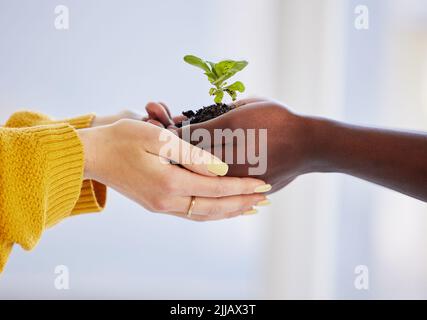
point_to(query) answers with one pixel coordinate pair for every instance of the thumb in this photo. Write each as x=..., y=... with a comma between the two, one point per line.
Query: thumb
x=171, y=147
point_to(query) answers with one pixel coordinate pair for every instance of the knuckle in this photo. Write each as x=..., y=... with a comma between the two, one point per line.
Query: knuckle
x=248, y=185
x=242, y=186
x=219, y=188
x=215, y=210
x=246, y=202
x=241, y=204
x=159, y=205
x=170, y=186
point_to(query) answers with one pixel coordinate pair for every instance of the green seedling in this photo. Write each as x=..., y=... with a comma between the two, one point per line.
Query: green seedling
x=218, y=73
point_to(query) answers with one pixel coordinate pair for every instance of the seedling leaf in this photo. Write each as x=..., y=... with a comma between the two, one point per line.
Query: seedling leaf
x=236, y=86
x=197, y=62
x=218, y=73
x=218, y=96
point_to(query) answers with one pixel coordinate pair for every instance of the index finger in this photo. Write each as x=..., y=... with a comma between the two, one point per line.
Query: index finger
x=215, y=187
x=157, y=111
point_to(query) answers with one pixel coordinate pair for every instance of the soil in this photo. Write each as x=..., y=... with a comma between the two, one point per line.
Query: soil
x=206, y=113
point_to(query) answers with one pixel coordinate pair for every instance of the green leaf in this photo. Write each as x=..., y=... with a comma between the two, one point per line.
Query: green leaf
x=222, y=67
x=232, y=93
x=212, y=66
x=211, y=76
x=240, y=65
x=197, y=62
x=218, y=96
x=218, y=73
x=228, y=68
x=236, y=86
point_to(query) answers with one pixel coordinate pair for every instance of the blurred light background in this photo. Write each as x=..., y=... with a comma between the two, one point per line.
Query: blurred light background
x=308, y=54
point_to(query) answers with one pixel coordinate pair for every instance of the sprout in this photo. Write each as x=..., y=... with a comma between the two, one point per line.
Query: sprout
x=217, y=73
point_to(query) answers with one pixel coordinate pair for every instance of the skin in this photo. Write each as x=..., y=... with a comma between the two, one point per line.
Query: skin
x=126, y=155
x=302, y=144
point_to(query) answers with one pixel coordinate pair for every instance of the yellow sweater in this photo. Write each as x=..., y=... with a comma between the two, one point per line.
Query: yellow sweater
x=41, y=178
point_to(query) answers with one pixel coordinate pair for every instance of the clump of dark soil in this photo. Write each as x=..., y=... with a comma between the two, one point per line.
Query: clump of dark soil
x=206, y=113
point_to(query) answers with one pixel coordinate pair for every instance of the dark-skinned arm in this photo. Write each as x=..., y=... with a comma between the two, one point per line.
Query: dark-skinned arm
x=393, y=159
x=300, y=144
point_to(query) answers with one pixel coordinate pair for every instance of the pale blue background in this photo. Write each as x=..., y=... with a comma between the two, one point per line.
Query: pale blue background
x=121, y=54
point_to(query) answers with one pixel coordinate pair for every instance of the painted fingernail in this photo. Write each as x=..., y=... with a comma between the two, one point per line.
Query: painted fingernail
x=218, y=168
x=263, y=188
x=253, y=211
x=263, y=203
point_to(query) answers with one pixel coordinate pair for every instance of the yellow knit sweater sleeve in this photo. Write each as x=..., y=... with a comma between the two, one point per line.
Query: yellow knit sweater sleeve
x=41, y=170
x=93, y=194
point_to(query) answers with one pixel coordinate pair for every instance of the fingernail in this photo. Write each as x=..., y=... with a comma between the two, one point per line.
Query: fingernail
x=263, y=203
x=220, y=168
x=263, y=188
x=253, y=211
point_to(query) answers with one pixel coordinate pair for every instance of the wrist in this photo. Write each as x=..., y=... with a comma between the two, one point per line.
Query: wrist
x=87, y=139
x=102, y=121
x=107, y=120
x=321, y=135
